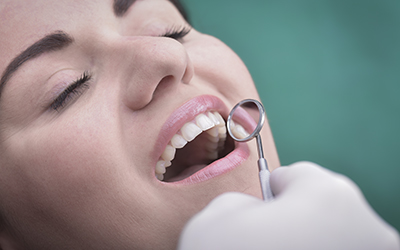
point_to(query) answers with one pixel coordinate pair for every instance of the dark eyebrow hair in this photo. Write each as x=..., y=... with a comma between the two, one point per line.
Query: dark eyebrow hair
x=52, y=42
x=122, y=6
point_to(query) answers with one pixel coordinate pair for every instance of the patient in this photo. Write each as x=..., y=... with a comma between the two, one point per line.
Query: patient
x=112, y=128
x=95, y=98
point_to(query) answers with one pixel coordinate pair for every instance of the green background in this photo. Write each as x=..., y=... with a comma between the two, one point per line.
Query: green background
x=328, y=74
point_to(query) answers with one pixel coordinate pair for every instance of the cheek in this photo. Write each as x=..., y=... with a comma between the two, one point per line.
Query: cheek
x=62, y=178
x=62, y=161
x=75, y=182
x=58, y=163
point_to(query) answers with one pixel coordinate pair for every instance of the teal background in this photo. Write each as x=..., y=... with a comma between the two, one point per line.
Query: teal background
x=328, y=74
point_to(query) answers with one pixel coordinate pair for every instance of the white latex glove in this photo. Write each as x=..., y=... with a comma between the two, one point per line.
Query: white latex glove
x=314, y=208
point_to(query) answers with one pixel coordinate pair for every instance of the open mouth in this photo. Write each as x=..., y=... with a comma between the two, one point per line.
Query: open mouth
x=197, y=144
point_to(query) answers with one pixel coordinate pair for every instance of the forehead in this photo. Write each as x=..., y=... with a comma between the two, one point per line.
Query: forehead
x=44, y=14
x=22, y=22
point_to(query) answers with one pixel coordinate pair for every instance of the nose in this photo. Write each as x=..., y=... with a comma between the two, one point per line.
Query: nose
x=150, y=65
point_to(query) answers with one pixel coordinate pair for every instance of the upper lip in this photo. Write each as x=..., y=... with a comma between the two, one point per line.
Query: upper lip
x=185, y=113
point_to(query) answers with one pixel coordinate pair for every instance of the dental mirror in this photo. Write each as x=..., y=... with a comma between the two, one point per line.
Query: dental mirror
x=245, y=122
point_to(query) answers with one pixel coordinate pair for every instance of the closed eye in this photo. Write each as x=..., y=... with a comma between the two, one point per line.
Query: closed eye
x=177, y=33
x=74, y=90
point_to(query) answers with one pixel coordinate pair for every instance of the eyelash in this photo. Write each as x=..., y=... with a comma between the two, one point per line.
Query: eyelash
x=79, y=85
x=76, y=88
x=177, y=33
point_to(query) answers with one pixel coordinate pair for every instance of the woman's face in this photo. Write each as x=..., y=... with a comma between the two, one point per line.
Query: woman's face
x=88, y=110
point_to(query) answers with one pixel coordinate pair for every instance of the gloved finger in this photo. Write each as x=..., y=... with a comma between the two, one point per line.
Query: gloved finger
x=205, y=225
x=304, y=176
x=337, y=201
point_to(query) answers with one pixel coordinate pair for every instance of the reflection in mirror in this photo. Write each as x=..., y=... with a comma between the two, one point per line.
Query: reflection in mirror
x=244, y=119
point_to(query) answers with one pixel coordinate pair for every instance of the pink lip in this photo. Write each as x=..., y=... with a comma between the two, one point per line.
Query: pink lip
x=187, y=112
x=222, y=166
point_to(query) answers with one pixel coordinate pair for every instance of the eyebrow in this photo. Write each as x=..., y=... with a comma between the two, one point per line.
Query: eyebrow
x=122, y=6
x=58, y=40
x=52, y=42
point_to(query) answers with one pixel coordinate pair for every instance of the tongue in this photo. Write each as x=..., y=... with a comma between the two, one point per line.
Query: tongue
x=187, y=172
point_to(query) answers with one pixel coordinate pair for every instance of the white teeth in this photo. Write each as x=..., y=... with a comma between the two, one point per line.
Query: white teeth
x=160, y=169
x=213, y=132
x=160, y=176
x=169, y=153
x=211, y=146
x=212, y=123
x=161, y=166
x=213, y=118
x=214, y=139
x=190, y=131
x=204, y=122
x=222, y=132
x=238, y=131
x=220, y=119
x=178, y=141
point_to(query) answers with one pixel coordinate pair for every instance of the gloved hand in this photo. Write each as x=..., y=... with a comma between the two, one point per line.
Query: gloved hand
x=314, y=208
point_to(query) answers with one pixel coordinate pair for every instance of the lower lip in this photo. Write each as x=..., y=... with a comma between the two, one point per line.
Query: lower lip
x=219, y=167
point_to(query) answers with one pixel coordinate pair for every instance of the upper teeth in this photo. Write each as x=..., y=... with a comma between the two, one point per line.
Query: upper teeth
x=238, y=131
x=212, y=122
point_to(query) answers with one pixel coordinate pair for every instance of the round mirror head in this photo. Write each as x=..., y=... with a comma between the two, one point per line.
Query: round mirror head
x=246, y=120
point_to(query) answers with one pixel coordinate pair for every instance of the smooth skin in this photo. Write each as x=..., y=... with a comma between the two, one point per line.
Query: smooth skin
x=82, y=176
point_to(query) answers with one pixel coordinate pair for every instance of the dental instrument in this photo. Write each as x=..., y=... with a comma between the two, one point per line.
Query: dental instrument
x=240, y=116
